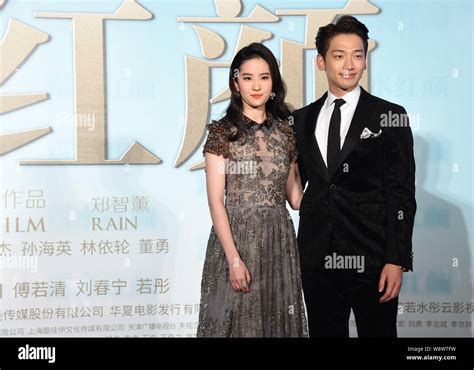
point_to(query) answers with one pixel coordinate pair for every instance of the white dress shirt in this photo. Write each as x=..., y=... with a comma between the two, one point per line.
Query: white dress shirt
x=347, y=112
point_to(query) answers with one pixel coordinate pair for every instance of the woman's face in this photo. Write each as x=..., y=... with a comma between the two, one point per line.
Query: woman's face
x=254, y=82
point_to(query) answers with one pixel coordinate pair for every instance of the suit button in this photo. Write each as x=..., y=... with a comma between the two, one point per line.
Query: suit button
x=332, y=187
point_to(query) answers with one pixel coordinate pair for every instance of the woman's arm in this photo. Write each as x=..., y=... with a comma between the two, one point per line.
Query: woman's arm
x=294, y=190
x=215, y=182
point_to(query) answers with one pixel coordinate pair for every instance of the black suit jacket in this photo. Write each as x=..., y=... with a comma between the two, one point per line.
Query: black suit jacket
x=368, y=206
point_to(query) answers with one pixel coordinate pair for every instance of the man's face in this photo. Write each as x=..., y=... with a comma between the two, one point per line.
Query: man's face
x=344, y=63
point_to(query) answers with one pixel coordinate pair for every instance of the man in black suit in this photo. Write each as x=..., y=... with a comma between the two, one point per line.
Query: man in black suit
x=357, y=212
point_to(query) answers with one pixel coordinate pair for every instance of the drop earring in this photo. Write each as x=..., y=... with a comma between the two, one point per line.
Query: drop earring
x=272, y=95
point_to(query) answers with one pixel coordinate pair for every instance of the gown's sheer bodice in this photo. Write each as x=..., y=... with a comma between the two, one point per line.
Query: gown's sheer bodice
x=257, y=165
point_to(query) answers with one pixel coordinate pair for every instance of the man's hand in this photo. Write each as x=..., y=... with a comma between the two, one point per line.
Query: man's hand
x=391, y=278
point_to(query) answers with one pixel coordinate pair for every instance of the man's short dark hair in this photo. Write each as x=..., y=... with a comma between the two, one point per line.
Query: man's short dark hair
x=344, y=25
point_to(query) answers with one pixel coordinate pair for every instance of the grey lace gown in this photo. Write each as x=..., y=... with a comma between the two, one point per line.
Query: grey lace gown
x=263, y=231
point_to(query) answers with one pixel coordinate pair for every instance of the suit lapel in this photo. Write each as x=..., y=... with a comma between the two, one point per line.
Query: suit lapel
x=362, y=115
x=361, y=118
x=310, y=129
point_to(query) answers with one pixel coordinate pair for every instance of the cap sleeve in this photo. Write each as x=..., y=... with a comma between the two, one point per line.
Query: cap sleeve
x=217, y=139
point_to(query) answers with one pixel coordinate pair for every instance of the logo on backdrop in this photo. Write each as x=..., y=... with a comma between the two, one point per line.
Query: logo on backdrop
x=90, y=117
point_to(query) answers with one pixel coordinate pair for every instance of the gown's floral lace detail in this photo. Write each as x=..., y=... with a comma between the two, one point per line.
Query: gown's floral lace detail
x=269, y=153
x=257, y=172
x=217, y=142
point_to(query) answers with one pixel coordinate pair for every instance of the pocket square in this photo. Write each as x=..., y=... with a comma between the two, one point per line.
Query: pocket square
x=367, y=134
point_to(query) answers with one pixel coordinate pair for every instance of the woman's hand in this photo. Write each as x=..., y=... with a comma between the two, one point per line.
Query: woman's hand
x=239, y=276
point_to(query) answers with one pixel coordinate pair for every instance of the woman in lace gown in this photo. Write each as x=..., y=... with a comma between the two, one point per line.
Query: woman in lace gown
x=251, y=283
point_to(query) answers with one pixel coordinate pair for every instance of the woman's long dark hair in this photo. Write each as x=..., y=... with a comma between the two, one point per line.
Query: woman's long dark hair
x=276, y=106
